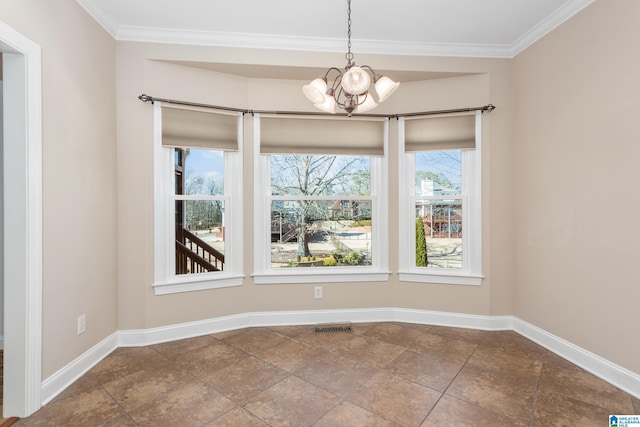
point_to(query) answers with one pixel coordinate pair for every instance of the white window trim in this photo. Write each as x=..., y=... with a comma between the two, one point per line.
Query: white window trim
x=165, y=279
x=471, y=271
x=378, y=271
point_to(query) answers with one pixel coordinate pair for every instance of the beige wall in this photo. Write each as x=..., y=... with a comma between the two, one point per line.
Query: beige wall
x=78, y=87
x=577, y=97
x=139, y=71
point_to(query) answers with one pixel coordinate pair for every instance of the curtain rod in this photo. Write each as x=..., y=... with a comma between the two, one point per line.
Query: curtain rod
x=147, y=98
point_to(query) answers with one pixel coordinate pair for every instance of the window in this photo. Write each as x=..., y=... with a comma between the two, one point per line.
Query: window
x=320, y=199
x=198, y=204
x=440, y=200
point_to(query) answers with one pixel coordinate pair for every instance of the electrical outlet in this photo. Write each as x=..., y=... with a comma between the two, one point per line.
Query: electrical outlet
x=317, y=292
x=82, y=324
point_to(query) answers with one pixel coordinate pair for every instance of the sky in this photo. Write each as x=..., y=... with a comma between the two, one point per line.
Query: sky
x=205, y=164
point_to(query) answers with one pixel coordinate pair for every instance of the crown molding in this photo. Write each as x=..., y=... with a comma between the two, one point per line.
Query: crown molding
x=550, y=23
x=317, y=44
x=101, y=16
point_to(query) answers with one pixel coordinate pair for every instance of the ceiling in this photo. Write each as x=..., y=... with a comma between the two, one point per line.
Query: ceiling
x=462, y=28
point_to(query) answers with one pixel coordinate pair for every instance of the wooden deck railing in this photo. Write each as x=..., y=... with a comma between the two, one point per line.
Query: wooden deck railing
x=194, y=255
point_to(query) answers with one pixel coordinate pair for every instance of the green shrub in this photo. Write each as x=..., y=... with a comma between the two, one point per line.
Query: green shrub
x=421, y=244
x=353, y=258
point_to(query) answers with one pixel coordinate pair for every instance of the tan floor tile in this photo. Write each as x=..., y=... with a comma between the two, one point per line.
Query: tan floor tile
x=473, y=336
x=362, y=328
x=145, y=385
x=172, y=350
x=394, y=333
x=210, y=358
x=291, y=355
x=495, y=391
x=227, y=334
x=440, y=347
x=328, y=341
x=513, y=342
x=122, y=420
x=454, y=412
x=126, y=360
x=191, y=404
x=244, y=379
x=395, y=399
x=636, y=405
x=336, y=374
x=292, y=331
x=237, y=417
x=371, y=351
x=90, y=408
x=424, y=370
x=346, y=414
x=83, y=384
x=557, y=410
x=579, y=384
x=255, y=340
x=521, y=365
x=292, y=402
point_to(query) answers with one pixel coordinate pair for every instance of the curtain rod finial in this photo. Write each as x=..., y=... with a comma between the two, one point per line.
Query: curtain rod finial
x=145, y=98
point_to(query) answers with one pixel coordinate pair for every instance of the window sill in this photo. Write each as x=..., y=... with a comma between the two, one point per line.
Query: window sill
x=446, y=278
x=189, y=284
x=315, y=276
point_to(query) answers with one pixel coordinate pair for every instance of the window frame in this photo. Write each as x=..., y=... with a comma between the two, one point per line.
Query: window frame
x=165, y=280
x=265, y=274
x=471, y=197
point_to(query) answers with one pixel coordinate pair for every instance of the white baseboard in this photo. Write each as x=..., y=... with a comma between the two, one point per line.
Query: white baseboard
x=614, y=374
x=58, y=382
x=2, y=342
x=610, y=372
x=141, y=337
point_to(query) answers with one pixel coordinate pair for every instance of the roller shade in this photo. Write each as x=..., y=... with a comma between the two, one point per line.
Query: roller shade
x=321, y=135
x=199, y=128
x=451, y=132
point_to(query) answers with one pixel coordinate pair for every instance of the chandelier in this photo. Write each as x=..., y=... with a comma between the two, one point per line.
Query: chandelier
x=350, y=89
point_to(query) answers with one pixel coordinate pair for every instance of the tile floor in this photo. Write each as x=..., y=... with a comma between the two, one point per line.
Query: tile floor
x=380, y=375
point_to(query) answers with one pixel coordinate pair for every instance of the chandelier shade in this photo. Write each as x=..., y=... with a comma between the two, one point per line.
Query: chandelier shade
x=356, y=81
x=315, y=91
x=351, y=88
x=385, y=87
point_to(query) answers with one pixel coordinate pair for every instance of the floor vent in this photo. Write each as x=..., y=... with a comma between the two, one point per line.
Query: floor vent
x=332, y=328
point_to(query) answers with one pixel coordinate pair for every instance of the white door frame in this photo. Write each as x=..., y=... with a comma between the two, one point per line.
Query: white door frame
x=22, y=74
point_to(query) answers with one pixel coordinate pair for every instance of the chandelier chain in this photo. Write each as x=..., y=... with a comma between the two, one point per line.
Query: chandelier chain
x=349, y=55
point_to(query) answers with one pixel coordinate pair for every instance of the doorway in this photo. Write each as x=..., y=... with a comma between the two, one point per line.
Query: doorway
x=22, y=208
